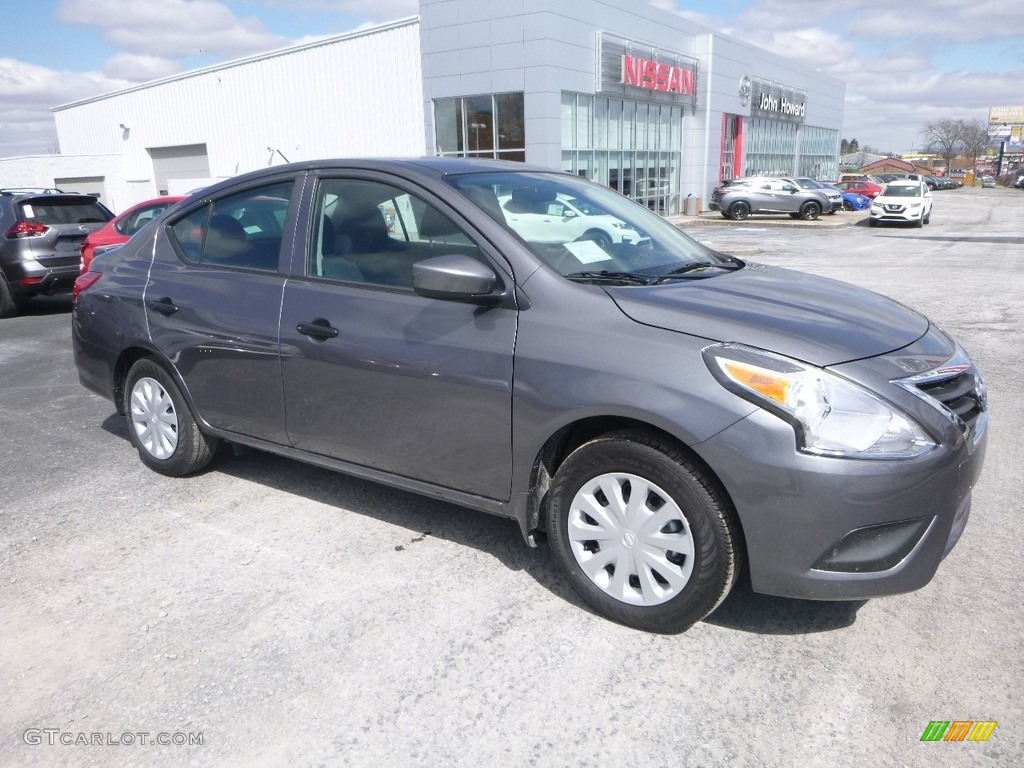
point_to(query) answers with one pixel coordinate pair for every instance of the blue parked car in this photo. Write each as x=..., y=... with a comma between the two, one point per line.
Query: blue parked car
x=854, y=202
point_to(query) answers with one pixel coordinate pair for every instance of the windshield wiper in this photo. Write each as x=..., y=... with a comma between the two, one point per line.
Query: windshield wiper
x=604, y=275
x=682, y=272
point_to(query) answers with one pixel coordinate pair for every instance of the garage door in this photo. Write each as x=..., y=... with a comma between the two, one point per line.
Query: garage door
x=187, y=161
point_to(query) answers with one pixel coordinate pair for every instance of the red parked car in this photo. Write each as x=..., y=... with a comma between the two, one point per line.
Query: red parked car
x=120, y=228
x=860, y=187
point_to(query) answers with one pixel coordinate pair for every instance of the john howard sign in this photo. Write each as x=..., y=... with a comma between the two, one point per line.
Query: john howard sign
x=777, y=102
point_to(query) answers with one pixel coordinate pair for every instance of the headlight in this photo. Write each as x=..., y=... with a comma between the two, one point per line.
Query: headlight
x=620, y=225
x=830, y=415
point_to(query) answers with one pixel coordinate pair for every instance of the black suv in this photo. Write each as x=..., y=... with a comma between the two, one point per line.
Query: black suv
x=41, y=232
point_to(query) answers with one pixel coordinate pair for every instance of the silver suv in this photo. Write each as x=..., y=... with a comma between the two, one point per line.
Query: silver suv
x=738, y=198
x=41, y=233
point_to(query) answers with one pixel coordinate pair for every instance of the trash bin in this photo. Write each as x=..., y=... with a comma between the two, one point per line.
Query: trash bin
x=691, y=206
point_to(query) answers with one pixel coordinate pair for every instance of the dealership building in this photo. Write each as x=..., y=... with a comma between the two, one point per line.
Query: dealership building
x=650, y=103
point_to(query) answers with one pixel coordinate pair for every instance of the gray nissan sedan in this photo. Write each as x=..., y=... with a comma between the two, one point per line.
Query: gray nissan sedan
x=659, y=413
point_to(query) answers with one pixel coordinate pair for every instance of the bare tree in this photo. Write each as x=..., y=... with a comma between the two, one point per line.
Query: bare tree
x=975, y=139
x=944, y=137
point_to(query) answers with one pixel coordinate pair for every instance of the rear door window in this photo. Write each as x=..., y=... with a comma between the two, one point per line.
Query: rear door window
x=243, y=230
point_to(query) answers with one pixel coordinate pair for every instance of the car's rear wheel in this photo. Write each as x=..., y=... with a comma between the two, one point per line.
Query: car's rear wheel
x=739, y=210
x=9, y=306
x=160, y=424
x=642, y=533
x=810, y=211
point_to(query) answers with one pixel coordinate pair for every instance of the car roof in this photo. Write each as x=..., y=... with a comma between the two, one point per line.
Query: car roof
x=431, y=166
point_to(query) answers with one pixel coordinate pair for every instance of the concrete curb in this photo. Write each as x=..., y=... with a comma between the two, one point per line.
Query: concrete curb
x=828, y=221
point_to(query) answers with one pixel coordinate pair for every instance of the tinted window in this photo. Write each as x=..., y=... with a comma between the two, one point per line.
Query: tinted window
x=369, y=232
x=57, y=210
x=243, y=230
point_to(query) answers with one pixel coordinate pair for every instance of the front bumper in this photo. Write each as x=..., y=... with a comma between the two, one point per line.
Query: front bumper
x=841, y=529
x=904, y=216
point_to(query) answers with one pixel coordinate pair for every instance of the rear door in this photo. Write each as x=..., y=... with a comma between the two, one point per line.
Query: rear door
x=214, y=298
x=379, y=376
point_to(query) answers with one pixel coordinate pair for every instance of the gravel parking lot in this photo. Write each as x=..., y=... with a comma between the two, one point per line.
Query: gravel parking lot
x=269, y=613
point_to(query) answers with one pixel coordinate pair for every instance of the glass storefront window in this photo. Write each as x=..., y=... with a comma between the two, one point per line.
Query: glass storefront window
x=776, y=148
x=481, y=126
x=595, y=128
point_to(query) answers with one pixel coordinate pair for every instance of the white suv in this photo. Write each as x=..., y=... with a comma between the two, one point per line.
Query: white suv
x=907, y=201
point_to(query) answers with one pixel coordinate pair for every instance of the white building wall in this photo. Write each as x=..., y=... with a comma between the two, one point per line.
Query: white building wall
x=354, y=95
x=44, y=170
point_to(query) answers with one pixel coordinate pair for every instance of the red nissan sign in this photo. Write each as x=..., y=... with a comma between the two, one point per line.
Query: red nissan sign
x=643, y=73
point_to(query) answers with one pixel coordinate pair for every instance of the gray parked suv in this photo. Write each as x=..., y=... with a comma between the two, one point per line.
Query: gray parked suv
x=738, y=198
x=41, y=233
x=663, y=414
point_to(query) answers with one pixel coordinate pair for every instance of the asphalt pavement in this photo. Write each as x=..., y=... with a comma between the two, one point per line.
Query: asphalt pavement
x=269, y=613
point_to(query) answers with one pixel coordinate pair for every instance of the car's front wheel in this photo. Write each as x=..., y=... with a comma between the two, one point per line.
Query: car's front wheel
x=642, y=533
x=160, y=424
x=810, y=211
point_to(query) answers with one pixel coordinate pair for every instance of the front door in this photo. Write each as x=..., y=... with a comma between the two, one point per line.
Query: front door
x=379, y=376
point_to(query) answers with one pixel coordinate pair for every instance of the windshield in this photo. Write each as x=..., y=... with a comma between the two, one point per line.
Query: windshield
x=902, y=191
x=588, y=232
x=809, y=184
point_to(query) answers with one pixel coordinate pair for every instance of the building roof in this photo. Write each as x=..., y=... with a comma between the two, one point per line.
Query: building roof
x=245, y=60
x=890, y=162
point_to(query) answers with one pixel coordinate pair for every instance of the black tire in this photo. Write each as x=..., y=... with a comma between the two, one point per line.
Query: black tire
x=920, y=222
x=161, y=425
x=810, y=211
x=739, y=210
x=597, y=236
x=928, y=218
x=847, y=205
x=665, y=590
x=9, y=305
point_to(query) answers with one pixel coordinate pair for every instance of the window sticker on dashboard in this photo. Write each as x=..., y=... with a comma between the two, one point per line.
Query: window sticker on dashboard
x=587, y=251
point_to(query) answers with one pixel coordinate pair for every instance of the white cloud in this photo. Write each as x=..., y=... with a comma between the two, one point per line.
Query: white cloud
x=172, y=29
x=375, y=10
x=949, y=21
x=140, y=67
x=27, y=91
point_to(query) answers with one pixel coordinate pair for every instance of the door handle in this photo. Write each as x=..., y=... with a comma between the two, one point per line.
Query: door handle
x=164, y=306
x=317, y=329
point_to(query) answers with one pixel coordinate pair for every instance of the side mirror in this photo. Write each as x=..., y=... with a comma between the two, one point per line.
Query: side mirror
x=454, y=277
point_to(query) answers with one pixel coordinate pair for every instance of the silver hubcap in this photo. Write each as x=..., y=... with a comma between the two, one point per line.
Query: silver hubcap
x=153, y=418
x=631, y=539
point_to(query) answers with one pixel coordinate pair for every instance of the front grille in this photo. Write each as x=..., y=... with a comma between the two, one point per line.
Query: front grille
x=956, y=389
x=960, y=394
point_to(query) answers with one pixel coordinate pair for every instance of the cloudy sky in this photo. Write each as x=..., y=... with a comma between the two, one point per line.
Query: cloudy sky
x=905, y=62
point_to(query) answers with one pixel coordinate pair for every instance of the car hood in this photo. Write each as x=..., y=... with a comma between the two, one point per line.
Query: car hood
x=814, y=319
